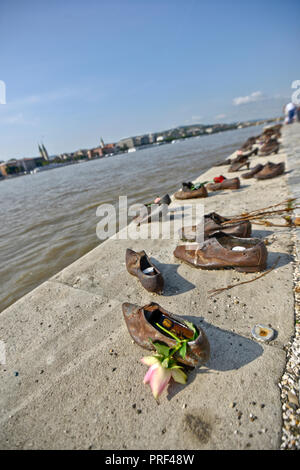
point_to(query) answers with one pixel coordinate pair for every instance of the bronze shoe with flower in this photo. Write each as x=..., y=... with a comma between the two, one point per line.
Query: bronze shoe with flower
x=143, y=324
x=231, y=183
x=186, y=193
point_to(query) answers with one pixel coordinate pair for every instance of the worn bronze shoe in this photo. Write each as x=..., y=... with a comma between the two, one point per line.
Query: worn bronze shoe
x=225, y=251
x=232, y=183
x=236, y=166
x=142, y=326
x=253, y=172
x=270, y=170
x=213, y=224
x=153, y=211
x=248, y=144
x=271, y=146
x=139, y=265
x=250, y=153
x=191, y=193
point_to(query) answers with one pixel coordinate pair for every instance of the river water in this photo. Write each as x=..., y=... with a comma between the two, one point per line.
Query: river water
x=48, y=220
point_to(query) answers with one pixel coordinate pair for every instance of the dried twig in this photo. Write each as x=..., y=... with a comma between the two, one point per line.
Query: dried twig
x=270, y=224
x=218, y=291
x=264, y=212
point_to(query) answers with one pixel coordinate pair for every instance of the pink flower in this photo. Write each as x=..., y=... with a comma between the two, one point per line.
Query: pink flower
x=159, y=376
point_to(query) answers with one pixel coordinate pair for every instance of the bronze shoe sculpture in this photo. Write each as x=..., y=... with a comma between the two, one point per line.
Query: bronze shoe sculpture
x=237, y=165
x=225, y=251
x=187, y=193
x=142, y=326
x=232, y=183
x=248, y=144
x=251, y=152
x=139, y=265
x=153, y=211
x=213, y=224
x=253, y=172
x=270, y=170
x=271, y=146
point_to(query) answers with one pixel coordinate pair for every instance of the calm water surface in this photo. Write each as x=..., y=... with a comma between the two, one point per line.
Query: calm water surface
x=48, y=220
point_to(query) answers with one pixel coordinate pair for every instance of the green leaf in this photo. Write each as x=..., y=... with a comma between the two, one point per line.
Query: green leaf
x=182, y=350
x=193, y=328
x=165, y=363
x=168, y=332
x=198, y=185
x=161, y=348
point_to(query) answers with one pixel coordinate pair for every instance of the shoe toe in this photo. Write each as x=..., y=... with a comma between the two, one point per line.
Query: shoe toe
x=129, y=309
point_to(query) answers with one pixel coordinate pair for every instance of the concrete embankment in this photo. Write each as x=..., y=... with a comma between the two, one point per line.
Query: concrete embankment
x=73, y=378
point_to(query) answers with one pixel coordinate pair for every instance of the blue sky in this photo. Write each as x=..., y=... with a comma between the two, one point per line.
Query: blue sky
x=76, y=70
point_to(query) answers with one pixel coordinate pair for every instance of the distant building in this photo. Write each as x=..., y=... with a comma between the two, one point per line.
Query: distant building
x=43, y=152
x=125, y=144
x=95, y=153
x=16, y=167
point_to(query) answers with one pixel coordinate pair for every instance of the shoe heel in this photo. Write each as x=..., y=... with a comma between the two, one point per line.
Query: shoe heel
x=250, y=269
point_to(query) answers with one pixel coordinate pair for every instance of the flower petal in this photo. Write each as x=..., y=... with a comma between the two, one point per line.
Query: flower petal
x=149, y=360
x=159, y=380
x=149, y=373
x=179, y=376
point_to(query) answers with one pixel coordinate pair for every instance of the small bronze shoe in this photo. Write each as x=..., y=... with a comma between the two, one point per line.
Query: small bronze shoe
x=139, y=265
x=271, y=146
x=191, y=194
x=232, y=183
x=225, y=251
x=213, y=224
x=270, y=170
x=142, y=326
x=238, y=163
x=253, y=172
x=248, y=144
x=153, y=211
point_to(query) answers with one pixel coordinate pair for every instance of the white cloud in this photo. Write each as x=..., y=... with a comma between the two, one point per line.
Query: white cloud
x=44, y=98
x=197, y=118
x=221, y=116
x=255, y=96
x=12, y=119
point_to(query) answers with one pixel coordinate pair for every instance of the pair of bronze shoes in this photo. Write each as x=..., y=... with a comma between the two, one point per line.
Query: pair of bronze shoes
x=267, y=171
x=224, y=246
x=214, y=223
x=270, y=170
x=226, y=251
